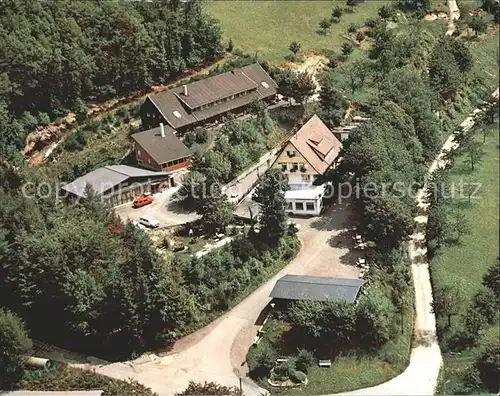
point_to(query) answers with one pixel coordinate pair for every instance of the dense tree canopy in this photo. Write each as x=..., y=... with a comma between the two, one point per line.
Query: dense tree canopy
x=99, y=284
x=385, y=155
x=270, y=193
x=14, y=345
x=57, y=53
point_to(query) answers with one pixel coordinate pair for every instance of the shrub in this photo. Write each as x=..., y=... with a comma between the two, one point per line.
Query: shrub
x=460, y=340
x=262, y=359
x=474, y=322
x=485, y=303
x=43, y=119
x=298, y=376
x=371, y=23
x=352, y=28
x=304, y=360
x=92, y=125
x=360, y=36
x=337, y=12
x=76, y=141
x=243, y=248
x=189, y=138
x=285, y=370
x=492, y=279
x=28, y=121
x=347, y=48
x=209, y=388
x=14, y=343
x=335, y=20
x=230, y=46
x=333, y=62
x=488, y=365
x=80, y=110
x=201, y=136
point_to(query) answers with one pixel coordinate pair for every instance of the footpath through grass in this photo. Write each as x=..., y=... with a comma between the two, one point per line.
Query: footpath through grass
x=268, y=27
x=465, y=264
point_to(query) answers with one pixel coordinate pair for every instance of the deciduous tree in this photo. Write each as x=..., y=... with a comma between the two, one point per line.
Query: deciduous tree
x=447, y=301
x=270, y=194
x=14, y=346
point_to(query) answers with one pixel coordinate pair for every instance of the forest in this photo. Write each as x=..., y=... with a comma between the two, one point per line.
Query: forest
x=55, y=56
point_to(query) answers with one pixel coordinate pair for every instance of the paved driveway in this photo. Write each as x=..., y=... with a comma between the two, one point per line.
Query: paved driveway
x=217, y=352
x=165, y=208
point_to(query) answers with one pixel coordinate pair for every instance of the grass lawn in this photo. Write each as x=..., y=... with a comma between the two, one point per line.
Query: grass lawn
x=346, y=374
x=268, y=27
x=465, y=264
x=349, y=371
x=485, y=53
x=102, y=148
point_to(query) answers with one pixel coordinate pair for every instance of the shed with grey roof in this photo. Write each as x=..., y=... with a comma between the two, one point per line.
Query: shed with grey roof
x=299, y=287
x=117, y=183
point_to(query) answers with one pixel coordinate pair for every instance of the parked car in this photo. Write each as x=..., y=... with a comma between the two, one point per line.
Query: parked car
x=149, y=221
x=143, y=200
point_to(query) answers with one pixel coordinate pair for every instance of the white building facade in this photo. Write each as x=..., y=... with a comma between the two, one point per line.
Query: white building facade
x=305, y=157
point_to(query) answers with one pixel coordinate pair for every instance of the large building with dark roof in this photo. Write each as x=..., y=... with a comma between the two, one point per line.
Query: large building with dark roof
x=316, y=288
x=160, y=149
x=206, y=100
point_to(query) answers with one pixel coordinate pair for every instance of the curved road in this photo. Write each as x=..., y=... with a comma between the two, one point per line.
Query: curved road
x=217, y=352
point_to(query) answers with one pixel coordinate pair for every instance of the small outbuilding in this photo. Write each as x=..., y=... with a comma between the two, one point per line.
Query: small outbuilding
x=117, y=184
x=160, y=149
x=316, y=288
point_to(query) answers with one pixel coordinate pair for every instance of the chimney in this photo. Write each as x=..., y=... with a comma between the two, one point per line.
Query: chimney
x=162, y=130
x=185, y=89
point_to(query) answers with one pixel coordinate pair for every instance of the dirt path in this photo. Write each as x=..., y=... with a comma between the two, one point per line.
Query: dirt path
x=454, y=14
x=218, y=351
x=313, y=65
x=421, y=375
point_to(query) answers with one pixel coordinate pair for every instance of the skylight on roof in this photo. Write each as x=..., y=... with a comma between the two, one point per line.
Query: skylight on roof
x=177, y=114
x=264, y=84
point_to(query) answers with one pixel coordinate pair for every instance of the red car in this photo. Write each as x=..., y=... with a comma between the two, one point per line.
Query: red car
x=143, y=200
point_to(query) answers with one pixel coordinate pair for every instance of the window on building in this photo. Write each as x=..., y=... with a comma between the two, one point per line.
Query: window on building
x=290, y=206
x=299, y=206
x=290, y=153
x=138, y=152
x=305, y=178
x=283, y=166
x=310, y=206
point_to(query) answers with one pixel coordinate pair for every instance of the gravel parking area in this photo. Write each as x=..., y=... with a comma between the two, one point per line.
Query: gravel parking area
x=165, y=208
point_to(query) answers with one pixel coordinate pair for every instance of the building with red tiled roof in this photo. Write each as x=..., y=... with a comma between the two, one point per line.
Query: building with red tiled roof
x=309, y=154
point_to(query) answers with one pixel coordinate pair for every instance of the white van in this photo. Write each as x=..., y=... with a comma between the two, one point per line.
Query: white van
x=149, y=221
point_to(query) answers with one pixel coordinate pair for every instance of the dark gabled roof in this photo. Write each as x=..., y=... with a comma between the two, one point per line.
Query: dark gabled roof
x=251, y=78
x=224, y=107
x=162, y=149
x=298, y=287
x=103, y=179
x=214, y=88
